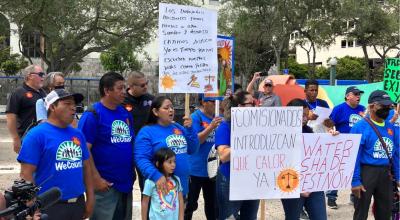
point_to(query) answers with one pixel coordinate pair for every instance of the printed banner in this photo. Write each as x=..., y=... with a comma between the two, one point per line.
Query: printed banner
x=328, y=161
x=187, y=49
x=265, y=152
x=391, y=78
x=226, y=65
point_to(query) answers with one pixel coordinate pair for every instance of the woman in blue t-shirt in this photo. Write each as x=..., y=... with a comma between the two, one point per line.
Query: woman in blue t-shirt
x=163, y=132
x=227, y=208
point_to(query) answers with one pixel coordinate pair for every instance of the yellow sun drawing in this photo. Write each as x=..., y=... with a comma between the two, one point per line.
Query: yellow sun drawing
x=225, y=52
x=167, y=82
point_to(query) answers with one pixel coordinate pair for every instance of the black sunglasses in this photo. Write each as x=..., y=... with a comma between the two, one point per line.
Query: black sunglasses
x=142, y=85
x=40, y=74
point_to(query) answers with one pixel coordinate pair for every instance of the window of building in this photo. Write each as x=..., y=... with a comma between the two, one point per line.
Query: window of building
x=350, y=43
x=344, y=43
x=358, y=43
x=31, y=44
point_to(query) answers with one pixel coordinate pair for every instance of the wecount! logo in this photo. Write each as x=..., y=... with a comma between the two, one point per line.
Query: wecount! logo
x=120, y=132
x=68, y=156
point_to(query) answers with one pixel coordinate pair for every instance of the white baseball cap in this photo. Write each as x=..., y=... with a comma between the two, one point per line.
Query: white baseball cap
x=58, y=94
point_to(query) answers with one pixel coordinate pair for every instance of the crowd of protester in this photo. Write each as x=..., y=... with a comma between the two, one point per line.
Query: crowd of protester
x=128, y=132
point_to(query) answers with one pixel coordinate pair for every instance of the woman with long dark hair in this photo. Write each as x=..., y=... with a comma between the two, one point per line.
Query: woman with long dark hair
x=163, y=132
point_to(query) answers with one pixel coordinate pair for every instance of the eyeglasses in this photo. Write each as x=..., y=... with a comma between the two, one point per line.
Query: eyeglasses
x=356, y=93
x=267, y=85
x=142, y=85
x=40, y=74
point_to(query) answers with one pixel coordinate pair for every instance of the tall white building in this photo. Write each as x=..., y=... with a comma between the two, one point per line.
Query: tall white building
x=343, y=46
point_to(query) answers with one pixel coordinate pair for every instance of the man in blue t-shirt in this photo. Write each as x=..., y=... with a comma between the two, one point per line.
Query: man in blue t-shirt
x=109, y=132
x=344, y=117
x=54, y=154
x=204, y=123
x=311, y=91
x=371, y=176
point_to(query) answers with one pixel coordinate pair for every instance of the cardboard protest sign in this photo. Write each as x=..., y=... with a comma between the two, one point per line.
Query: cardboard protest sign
x=265, y=152
x=391, y=78
x=226, y=70
x=187, y=49
x=328, y=161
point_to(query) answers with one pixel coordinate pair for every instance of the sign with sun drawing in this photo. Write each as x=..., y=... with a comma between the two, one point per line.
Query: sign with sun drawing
x=265, y=163
x=225, y=65
x=187, y=49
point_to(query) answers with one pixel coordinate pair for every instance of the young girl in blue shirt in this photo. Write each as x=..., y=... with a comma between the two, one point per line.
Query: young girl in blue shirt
x=165, y=206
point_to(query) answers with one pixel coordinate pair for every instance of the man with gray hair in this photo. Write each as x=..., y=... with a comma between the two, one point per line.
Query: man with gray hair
x=21, y=104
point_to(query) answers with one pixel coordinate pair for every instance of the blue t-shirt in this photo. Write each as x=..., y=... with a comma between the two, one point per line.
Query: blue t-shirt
x=183, y=141
x=165, y=207
x=345, y=117
x=223, y=137
x=58, y=154
x=318, y=102
x=371, y=151
x=111, y=134
x=198, y=161
x=41, y=112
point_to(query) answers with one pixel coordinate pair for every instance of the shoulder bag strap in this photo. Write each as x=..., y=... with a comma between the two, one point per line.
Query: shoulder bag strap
x=382, y=142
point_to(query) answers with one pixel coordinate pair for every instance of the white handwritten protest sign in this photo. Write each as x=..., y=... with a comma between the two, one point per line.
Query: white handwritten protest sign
x=265, y=153
x=328, y=161
x=323, y=113
x=187, y=49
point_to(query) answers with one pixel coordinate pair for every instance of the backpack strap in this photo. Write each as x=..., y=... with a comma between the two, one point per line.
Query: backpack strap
x=93, y=111
x=383, y=145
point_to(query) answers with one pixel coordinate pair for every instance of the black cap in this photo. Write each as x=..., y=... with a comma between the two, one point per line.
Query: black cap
x=381, y=97
x=353, y=89
x=58, y=94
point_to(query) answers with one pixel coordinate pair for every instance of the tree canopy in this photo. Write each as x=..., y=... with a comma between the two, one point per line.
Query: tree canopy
x=72, y=29
x=263, y=28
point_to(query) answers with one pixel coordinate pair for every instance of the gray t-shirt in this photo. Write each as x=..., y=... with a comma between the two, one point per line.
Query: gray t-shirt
x=268, y=100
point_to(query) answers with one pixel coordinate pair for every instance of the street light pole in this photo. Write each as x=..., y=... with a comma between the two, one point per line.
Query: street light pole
x=332, y=62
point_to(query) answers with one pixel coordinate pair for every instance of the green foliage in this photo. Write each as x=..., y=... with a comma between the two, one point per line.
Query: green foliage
x=120, y=58
x=350, y=68
x=347, y=68
x=375, y=24
x=300, y=71
x=322, y=72
x=10, y=64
